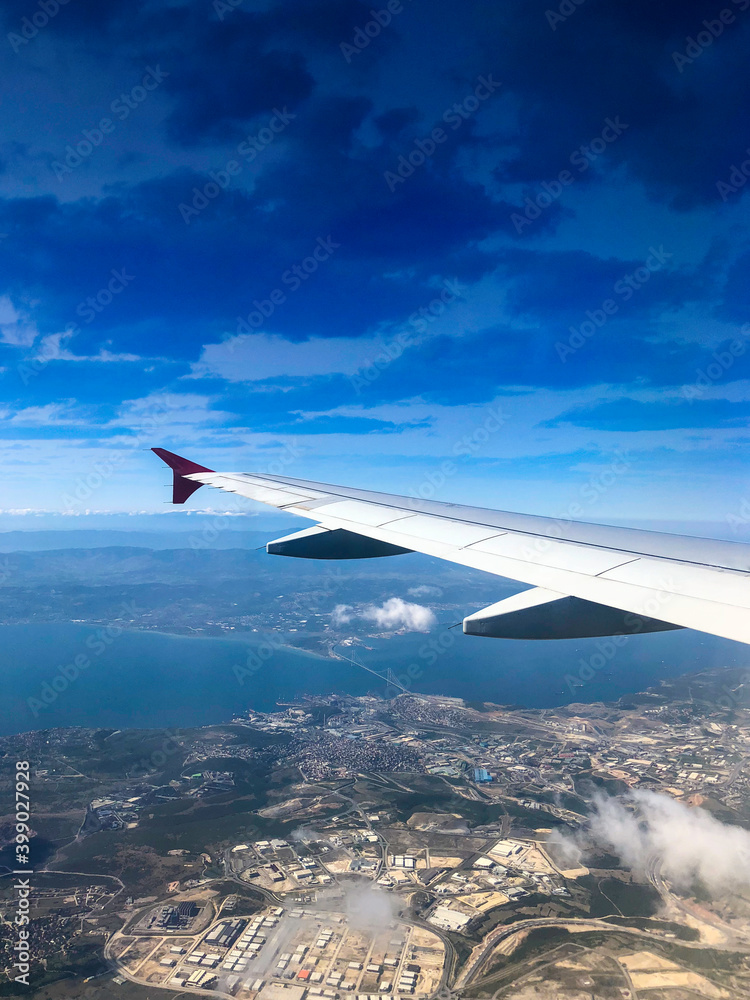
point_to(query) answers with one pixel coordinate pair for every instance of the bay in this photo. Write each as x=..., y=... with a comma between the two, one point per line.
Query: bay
x=139, y=679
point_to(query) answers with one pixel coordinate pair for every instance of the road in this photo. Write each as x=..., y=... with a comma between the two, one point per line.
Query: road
x=482, y=953
x=733, y=939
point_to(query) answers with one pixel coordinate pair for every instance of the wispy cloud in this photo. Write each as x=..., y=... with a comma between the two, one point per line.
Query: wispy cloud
x=691, y=845
x=424, y=590
x=53, y=348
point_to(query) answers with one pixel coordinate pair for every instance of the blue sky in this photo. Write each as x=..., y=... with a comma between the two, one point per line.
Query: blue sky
x=491, y=253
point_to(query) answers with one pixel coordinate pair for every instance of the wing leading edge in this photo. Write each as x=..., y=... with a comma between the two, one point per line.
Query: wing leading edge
x=588, y=579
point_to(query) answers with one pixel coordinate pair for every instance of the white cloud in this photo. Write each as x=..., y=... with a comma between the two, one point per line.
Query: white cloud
x=261, y=355
x=15, y=329
x=8, y=312
x=169, y=409
x=424, y=590
x=63, y=414
x=693, y=845
x=52, y=348
x=394, y=614
x=341, y=614
x=18, y=330
x=397, y=613
x=160, y=412
x=258, y=356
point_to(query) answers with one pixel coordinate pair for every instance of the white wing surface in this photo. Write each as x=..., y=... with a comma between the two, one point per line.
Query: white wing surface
x=589, y=579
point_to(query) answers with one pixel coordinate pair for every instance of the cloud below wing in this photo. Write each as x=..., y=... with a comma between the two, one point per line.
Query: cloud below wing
x=393, y=615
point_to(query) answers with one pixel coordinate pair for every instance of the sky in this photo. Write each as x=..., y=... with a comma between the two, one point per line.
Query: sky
x=480, y=252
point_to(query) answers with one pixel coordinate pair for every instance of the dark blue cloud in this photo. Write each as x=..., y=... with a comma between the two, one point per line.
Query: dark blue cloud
x=205, y=272
x=618, y=59
x=627, y=414
x=563, y=286
x=351, y=166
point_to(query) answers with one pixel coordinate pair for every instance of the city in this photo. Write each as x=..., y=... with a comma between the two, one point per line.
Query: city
x=448, y=826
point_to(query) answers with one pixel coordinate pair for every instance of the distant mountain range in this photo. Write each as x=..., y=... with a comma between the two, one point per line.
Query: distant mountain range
x=216, y=589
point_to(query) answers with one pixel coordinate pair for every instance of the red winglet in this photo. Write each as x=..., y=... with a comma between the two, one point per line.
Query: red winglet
x=181, y=488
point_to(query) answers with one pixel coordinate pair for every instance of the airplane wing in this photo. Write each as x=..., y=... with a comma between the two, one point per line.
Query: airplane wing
x=586, y=579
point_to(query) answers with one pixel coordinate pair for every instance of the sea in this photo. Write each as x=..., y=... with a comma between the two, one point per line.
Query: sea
x=84, y=675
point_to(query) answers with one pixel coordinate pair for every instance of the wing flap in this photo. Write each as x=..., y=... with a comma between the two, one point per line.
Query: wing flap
x=325, y=543
x=721, y=585
x=541, y=614
x=548, y=552
x=439, y=529
x=356, y=512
